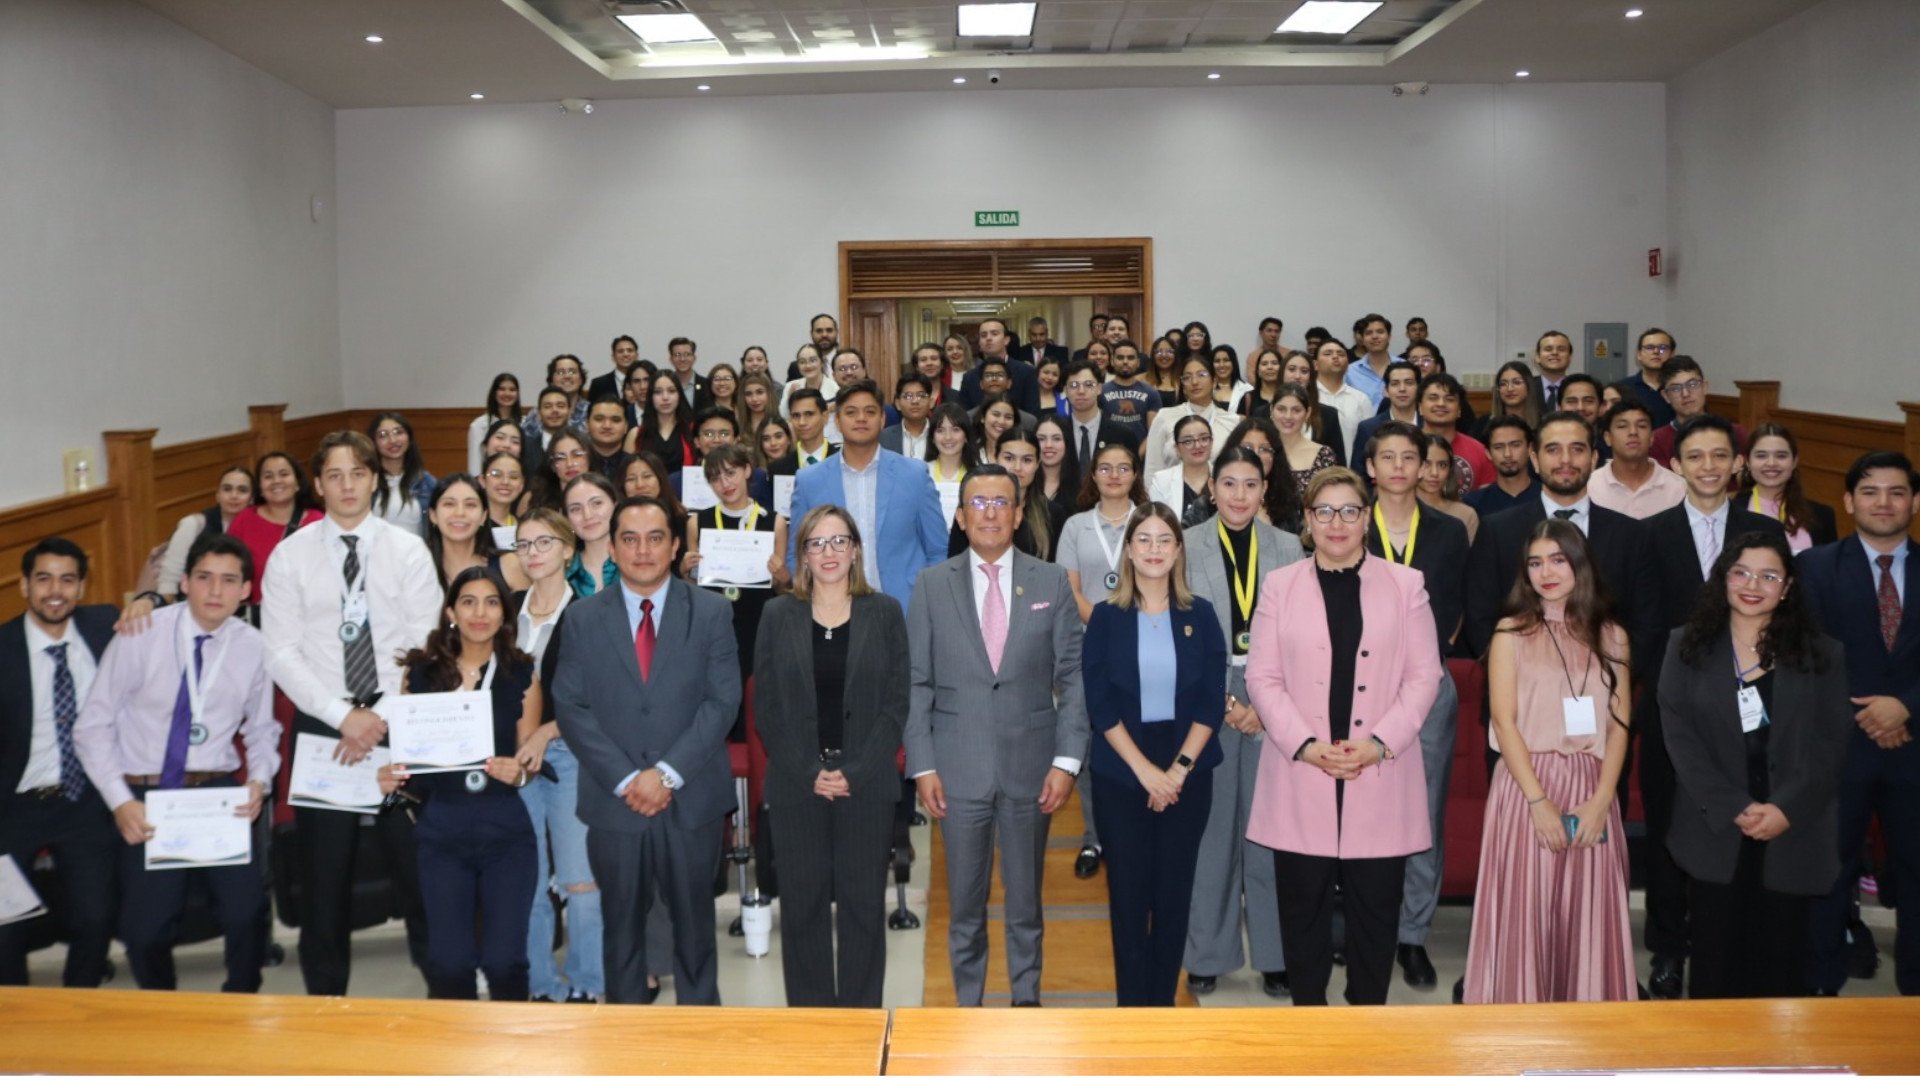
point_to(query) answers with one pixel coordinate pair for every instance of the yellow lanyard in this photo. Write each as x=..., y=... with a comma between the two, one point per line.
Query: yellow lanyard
x=1386, y=545
x=1754, y=504
x=1243, y=579
x=943, y=480
x=751, y=518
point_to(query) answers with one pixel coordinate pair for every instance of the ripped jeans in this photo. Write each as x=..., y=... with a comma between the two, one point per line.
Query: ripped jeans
x=556, y=828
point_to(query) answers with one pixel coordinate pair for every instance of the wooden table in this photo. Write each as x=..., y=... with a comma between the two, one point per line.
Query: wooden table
x=126, y=1031
x=1868, y=1035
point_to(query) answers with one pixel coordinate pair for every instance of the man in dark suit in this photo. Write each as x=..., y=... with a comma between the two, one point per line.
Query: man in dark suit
x=1411, y=533
x=997, y=725
x=48, y=658
x=1088, y=426
x=1684, y=541
x=1040, y=346
x=626, y=352
x=1563, y=457
x=994, y=341
x=648, y=688
x=1865, y=590
x=1096, y=331
x=824, y=331
x=683, y=354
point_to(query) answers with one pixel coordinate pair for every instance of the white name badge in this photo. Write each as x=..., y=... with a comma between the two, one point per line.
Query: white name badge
x=1753, y=713
x=354, y=611
x=1579, y=715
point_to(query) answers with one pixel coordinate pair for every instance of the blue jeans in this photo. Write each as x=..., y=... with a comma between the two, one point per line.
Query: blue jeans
x=557, y=828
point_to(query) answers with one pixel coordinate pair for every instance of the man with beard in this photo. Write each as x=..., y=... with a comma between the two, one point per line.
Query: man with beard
x=1508, y=441
x=825, y=334
x=1127, y=399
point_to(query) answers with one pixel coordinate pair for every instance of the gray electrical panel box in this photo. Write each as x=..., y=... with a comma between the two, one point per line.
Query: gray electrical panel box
x=1606, y=351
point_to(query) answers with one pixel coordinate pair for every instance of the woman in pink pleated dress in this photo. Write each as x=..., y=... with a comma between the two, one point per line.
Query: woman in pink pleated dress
x=1550, y=912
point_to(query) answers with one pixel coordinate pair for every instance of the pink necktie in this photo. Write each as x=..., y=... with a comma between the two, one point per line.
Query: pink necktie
x=993, y=617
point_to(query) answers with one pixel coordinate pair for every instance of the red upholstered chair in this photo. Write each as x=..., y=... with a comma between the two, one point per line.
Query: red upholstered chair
x=1467, y=793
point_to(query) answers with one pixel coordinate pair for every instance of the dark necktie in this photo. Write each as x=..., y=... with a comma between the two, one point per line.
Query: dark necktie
x=1086, y=446
x=362, y=680
x=643, y=639
x=1553, y=395
x=1565, y=515
x=173, y=768
x=1889, y=603
x=66, y=709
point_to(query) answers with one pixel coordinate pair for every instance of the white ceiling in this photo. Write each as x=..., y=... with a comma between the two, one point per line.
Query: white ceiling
x=438, y=52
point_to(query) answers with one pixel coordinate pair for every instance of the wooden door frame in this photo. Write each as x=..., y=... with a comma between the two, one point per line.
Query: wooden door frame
x=1144, y=244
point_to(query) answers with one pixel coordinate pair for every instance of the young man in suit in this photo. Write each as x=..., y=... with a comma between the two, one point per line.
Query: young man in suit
x=913, y=400
x=1865, y=590
x=994, y=340
x=890, y=498
x=824, y=331
x=626, y=352
x=997, y=725
x=648, y=687
x=1413, y=534
x=1685, y=541
x=1040, y=347
x=1089, y=426
x=1685, y=387
x=48, y=659
x=682, y=353
x=339, y=600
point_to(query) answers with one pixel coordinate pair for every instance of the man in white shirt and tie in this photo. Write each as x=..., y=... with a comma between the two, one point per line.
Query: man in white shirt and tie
x=1553, y=355
x=340, y=599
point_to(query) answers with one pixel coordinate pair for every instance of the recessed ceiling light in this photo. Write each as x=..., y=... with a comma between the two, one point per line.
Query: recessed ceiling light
x=703, y=88
x=374, y=39
x=1634, y=13
x=1213, y=74
x=667, y=29
x=959, y=80
x=1522, y=73
x=477, y=96
x=1327, y=17
x=996, y=20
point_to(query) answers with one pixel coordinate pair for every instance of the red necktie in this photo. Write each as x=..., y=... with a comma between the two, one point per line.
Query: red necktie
x=1889, y=602
x=643, y=641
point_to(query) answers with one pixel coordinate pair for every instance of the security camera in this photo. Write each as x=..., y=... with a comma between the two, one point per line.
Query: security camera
x=1402, y=89
x=993, y=76
x=576, y=105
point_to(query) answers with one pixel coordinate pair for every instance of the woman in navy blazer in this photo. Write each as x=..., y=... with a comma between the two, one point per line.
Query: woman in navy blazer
x=1154, y=664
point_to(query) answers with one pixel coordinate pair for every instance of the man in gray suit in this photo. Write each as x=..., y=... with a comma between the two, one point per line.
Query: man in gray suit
x=997, y=727
x=647, y=688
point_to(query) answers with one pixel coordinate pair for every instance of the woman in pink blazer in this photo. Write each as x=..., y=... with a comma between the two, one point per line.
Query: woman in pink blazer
x=1342, y=670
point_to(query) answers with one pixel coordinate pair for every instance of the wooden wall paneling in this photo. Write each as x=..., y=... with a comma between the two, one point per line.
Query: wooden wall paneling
x=1829, y=445
x=268, y=423
x=299, y=437
x=442, y=437
x=873, y=328
x=87, y=518
x=185, y=476
x=1758, y=400
x=133, y=533
x=1912, y=409
x=1727, y=406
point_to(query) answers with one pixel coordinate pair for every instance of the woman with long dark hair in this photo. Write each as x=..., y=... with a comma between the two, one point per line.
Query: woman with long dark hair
x=457, y=534
x=1163, y=370
x=1280, y=506
x=723, y=388
x=405, y=484
x=1759, y=765
x=1323, y=420
x=1550, y=913
x=568, y=454
x=758, y=396
x=284, y=506
x=1228, y=386
x=1292, y=413
x=1059, y=477
x=666, y=430
x=1773, y=488
x=505, y=482
x=503, y=403
x=1186, y=485
x=997, y=416
x=951, y=448
x=476, y=847
x=1440, y=483
x=1516, y=392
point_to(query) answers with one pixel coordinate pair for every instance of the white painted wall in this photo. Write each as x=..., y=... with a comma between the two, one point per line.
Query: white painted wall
x=158, y=267
x=487, y=238
x=1795, y=181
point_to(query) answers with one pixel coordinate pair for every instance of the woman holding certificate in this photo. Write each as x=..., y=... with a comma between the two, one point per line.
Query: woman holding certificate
x=477, y=865
x=729, y=471
x=830, y=698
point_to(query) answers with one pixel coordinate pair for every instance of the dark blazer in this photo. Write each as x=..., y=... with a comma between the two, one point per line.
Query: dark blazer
x=1838, y=582
x=609, y=384
x=615, y=722
x=1620, y=550
x=1806, y=754
x=95, y=624
x=1440, y=554
x=1677, y=568
x=1823, y=529
x=1110, y=670
x=1025, y=391
x=877, y=683
x=1108, y=432
x=1054, y=351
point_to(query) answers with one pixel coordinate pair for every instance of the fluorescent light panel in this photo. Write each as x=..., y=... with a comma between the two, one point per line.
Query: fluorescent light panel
x=1328, y=16
x=667, y=29
x=998, y=20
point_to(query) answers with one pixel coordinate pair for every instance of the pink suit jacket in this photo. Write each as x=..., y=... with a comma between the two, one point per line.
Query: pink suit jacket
x=1396, y=677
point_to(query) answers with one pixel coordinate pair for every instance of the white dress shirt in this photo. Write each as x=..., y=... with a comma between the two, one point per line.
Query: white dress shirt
x=860, y=490
x=1070, y=766
x=303, y=598
x=1353, y=406
x=1582, y=518
x=913, y=446
x=532, y=637
x=43, y=749
x=1161, y=450
x=1713, y=526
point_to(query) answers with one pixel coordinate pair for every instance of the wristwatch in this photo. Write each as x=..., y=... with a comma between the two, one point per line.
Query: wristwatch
x=1184, y=762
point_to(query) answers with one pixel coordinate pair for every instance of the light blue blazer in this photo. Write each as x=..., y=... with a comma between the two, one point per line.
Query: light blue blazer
x=913, y=534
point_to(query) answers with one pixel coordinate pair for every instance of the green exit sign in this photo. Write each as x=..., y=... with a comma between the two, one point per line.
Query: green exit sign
x=989, y=219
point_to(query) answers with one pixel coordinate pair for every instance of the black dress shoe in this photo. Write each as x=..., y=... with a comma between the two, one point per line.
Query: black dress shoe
x=1826, y=993
x=1417, y=968
x=1088, y=862
x=1666, y=982
x=1202, y=985
x=1275, y=985
x=1339, y=958
x=1460, y=990
x=653, y=995
x=579, y=997
x=1026, y=1004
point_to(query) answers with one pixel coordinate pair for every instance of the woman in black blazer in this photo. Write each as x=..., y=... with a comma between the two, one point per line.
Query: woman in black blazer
x=1155, y=668
x=1759, y=759
x=830, y=678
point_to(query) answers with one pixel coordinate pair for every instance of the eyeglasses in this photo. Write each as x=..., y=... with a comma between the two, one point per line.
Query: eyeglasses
x=1195, y=376
x=1656, y=348
x=716, y=433
x=915, y=396
x=1191, y=441
x=1154, y=543
x=1263, y=451
x=541, y=544
x=575, y=454
x=389, y=434
x=502, y=474
x=1083, y=384
x=1765, y=579
x=819, y=545
x=1113, y=469
x=984, y=503
x=1347, y=514
x=1682, y=389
